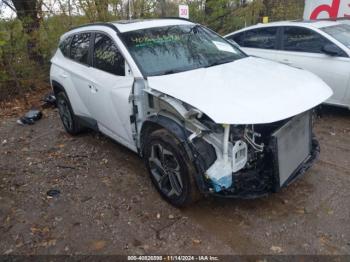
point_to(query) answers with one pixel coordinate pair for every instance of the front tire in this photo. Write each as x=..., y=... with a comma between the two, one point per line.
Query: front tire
x=170, y=169
x=70, y=121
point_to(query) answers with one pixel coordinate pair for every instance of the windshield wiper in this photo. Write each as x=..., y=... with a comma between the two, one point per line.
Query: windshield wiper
x=171, y=71
x=219, y=63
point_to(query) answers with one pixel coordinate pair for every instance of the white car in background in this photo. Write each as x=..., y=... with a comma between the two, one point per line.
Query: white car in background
x=321, y=47
x=204, y=116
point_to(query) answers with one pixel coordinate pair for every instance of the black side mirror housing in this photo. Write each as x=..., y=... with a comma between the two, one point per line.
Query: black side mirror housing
x=331, y=49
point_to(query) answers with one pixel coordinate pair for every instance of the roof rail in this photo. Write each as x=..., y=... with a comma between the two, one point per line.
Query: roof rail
x=110, y=25
x=176, y=18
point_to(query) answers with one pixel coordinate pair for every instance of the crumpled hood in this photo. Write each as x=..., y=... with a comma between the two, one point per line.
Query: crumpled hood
x=247, y=91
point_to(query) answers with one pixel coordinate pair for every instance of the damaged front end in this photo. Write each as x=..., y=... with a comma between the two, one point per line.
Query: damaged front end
x=243, y=161
x=254, y=160
x=263, y=158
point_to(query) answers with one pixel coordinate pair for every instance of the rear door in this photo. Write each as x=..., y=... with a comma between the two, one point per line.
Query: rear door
x=302, y=47
x=260, y=42
x=78, y=71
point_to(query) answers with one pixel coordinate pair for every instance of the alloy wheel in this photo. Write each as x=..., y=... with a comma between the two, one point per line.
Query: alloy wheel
x=65, y=114
x=165, y=169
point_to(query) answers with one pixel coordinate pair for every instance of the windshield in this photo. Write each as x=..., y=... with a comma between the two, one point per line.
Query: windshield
x=172, y=49
x=340, y=33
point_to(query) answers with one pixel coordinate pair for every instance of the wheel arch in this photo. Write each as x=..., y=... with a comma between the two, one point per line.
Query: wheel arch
x=195, y=151
x=57, y=87
x=162, y=122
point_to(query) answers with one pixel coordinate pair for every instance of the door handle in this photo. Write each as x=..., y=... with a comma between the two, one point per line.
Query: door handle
x=92, y=88
x=286, y=62
x=63, y=75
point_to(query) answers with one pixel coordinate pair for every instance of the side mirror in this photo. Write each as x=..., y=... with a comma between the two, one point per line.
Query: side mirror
x=331, y=49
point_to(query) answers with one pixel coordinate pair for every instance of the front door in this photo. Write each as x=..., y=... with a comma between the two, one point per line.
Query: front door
x=302, y=47
x=110, y=87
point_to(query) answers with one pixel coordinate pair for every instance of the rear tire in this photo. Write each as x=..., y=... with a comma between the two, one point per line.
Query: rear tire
x=69, y=120
x=170, y=170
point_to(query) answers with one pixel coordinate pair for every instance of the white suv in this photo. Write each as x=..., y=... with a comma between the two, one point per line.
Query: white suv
x=204, y=116
x=321, y=47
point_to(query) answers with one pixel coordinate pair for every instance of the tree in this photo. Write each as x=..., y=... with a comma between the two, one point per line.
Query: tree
x=28, y=13
x=102, y=10
x=163, y=8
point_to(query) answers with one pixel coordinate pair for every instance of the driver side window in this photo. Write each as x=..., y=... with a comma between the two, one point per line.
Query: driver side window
x=299, y=39
x=107, y=57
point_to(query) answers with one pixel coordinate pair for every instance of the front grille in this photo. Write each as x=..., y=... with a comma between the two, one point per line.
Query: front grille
x=292, y=146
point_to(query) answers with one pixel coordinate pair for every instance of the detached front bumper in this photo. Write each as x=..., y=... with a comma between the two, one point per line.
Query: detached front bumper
x=258, y=183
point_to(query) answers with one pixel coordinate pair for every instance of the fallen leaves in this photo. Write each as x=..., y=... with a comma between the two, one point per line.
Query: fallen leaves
x=276, y=249
x=48, y=243
x=37, y=230
x=9, y=251
x=104, y=161
x=106, y=181
x=20, y=104
x=300, y=211
x=98, y=245
x=196, y=241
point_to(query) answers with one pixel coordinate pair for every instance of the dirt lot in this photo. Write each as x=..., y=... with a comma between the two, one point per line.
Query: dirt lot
x=107, y=204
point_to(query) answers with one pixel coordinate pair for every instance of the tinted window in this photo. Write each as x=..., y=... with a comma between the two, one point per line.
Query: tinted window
x=79, y=49
x=303, y=40
x=64, y=46
x=264, y=38
x=238, y=38
x=107, y=56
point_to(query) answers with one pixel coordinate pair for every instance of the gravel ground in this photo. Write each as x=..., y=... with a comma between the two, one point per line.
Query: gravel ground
x=107, y=204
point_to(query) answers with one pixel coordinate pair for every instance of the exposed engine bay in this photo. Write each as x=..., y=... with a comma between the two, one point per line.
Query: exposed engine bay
x=235, y=160
x=258, y=153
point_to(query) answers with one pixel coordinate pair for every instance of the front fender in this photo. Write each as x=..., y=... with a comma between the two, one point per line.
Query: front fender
x=199, y=152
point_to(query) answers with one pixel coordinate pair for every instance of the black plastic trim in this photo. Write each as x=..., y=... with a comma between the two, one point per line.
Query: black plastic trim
x=88, y=122
x=110, y=25
x=55, y=85
x=170, y=125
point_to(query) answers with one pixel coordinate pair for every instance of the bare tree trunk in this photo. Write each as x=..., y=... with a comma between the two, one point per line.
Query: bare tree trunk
x=28, y=12
x=163, y=8
x=142, y=9
x=102, y=10
x=208, y=10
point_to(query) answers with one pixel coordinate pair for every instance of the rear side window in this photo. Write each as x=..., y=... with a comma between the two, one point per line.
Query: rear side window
x=301, y=39
x=238, y=38
x=107, y=57
x=64, y=46
x=79, y=48
x=263, y=38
